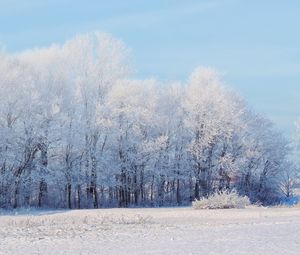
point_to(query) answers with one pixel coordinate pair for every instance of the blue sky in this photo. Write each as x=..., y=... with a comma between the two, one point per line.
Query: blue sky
x=255, y=44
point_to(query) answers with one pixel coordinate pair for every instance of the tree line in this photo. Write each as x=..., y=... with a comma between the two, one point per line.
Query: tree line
x=77, y=131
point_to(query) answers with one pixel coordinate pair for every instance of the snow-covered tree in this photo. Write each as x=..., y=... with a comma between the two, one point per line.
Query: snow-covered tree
x=212, y=118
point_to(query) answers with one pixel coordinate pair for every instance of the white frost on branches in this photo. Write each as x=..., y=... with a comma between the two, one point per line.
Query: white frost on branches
x=77, y=131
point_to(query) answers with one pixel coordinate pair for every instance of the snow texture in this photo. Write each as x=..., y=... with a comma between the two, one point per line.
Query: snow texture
x=152, y=231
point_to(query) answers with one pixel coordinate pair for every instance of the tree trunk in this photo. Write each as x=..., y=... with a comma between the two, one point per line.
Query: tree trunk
x=69, y=192
x=43, y=192
x=178, y=197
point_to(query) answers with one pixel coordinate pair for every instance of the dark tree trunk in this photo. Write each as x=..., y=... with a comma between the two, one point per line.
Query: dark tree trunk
x=69, y=192
x=197, y=189
x=178, y=197
x=78, y=196
x=43, y=192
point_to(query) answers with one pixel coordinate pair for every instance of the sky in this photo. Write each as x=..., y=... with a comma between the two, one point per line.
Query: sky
x=254, y=44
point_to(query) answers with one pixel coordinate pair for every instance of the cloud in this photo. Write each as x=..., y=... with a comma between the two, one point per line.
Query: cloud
x=147, y=18
x=9, y=7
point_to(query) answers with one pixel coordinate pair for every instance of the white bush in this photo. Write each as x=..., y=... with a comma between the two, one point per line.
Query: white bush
x=222, y=200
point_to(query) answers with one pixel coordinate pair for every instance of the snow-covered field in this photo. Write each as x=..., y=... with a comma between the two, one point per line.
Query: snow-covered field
x=152, y=231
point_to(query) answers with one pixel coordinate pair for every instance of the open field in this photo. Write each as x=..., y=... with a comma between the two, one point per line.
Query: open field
x=152, y=231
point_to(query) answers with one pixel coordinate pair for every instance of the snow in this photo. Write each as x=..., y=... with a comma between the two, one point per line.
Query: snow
x=152, y=231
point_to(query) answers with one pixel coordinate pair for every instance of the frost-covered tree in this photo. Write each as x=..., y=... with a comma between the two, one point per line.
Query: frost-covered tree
x=297, y=141
x=264, y=152
x=212, y=118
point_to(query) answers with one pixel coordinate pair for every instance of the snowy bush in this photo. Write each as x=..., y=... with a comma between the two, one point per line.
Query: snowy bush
x=222, y=200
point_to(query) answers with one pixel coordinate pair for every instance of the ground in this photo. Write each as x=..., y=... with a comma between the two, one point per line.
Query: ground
x=152, y=231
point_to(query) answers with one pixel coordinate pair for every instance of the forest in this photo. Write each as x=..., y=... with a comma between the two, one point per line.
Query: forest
x=77, y=130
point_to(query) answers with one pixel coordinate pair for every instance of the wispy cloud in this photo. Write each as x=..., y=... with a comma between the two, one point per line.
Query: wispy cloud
x=7, y=7
x=147, y=18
